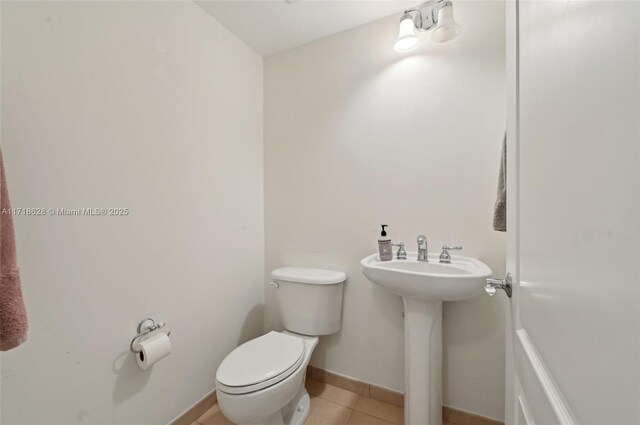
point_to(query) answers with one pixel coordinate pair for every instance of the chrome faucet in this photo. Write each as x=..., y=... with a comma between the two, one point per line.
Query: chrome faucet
x=422, y=248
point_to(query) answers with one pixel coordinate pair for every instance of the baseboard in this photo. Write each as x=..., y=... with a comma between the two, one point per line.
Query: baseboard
x=359, y=387
x=196, y=410
x=460, y=417
x=449, y=414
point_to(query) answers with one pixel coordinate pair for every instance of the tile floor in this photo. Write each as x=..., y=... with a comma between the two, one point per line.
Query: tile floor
x=331, y=405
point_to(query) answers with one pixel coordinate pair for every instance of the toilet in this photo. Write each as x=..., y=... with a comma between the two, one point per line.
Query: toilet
x=262, y=381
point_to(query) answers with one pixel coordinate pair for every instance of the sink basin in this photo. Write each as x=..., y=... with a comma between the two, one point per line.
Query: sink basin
x=423, y=287
x=464, y=278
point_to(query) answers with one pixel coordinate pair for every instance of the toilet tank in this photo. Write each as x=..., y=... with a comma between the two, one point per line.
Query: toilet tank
x=309, y=300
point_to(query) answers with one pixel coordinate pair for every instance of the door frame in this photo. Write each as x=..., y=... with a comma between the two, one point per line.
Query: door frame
x=512, y=90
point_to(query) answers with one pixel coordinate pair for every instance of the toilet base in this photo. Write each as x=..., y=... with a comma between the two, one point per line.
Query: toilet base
x=298, y=410
x=294, y=413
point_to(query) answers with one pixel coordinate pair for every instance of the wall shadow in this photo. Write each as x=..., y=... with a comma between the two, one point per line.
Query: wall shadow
x=253, y=325
x=131, y=379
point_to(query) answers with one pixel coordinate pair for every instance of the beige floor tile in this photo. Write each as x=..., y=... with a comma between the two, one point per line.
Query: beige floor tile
x=325, y=412
x=381, y=410
x=214, y=416
x=332, y=393
x=359, y=418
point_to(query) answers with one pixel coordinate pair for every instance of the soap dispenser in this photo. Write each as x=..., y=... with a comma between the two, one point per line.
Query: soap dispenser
x=384, y=245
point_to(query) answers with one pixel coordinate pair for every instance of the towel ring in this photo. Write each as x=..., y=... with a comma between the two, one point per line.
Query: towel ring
x=145, y=327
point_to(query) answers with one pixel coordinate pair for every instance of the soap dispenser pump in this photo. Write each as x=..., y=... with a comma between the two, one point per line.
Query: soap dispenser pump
x=384, y=245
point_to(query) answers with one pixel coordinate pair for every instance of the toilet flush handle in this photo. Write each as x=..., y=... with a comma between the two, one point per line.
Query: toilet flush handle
x=274, y=284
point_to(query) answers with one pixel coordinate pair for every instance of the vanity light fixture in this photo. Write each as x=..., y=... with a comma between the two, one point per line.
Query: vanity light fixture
x=436, y=15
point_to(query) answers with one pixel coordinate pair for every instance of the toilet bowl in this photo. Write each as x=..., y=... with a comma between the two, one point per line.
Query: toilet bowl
x=262, y=381
x=265, y=389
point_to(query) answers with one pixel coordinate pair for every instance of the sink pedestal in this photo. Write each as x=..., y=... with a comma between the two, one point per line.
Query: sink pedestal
x=422, y=362
x=423, y=286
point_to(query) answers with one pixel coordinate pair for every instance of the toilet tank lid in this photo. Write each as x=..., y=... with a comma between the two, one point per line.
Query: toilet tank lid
x=309, y=276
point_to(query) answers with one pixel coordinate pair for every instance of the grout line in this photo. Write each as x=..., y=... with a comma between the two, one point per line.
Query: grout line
x=372, y=414
x=340, y=405
x=333, y=402
x=350, y=415
x=358, y=396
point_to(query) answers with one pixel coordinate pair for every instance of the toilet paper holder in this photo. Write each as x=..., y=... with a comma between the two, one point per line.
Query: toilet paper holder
x=146, y=326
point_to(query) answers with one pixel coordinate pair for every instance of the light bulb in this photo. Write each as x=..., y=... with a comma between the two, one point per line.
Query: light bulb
x=447, y=28
x=407, y=39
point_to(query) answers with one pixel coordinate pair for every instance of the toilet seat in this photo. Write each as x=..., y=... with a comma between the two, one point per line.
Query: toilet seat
x=260, y=363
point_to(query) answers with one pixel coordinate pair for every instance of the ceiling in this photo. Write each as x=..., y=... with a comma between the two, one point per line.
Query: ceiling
x=273, y=26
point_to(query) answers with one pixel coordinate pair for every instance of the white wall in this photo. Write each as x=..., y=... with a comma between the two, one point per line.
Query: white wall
x=356, y=136
x=152, y=106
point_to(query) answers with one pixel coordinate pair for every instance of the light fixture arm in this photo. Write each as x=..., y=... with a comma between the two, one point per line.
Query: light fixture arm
x=428, y=22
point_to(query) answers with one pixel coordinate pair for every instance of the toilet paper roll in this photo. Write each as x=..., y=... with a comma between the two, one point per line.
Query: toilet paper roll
x=153, y=350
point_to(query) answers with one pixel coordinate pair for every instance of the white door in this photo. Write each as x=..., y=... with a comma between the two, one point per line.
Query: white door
x=573, y=353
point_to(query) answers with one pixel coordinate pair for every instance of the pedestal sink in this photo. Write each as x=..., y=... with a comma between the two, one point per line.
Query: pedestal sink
x=423, y=287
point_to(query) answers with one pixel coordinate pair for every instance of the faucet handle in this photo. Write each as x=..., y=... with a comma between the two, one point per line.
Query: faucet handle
x=445, y=258
x=401, y=254
x=451, y=248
